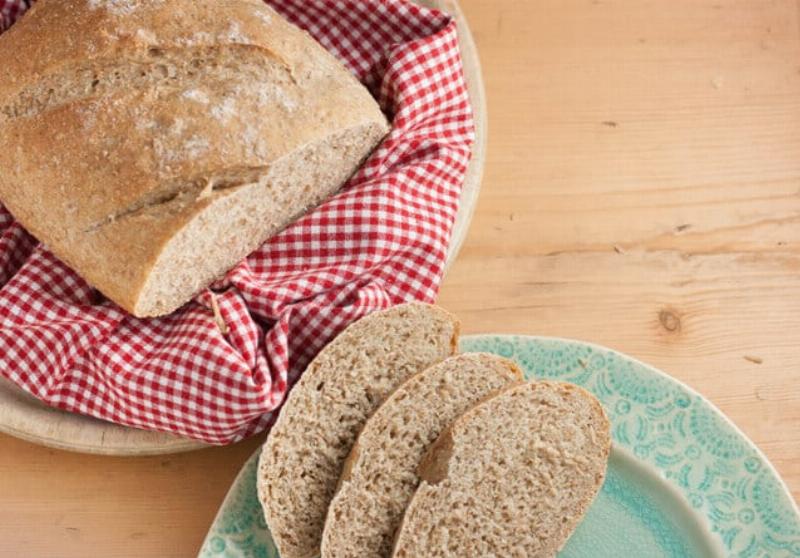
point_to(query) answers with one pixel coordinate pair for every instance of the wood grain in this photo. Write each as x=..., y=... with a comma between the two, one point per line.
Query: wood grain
x=642, y=191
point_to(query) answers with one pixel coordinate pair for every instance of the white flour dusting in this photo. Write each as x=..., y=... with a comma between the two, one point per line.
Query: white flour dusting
x=178, y=127
x=235, y=34
x=195, y=146
x=268, y=93
x=146, y=36
x=254, y=144
x=144, y=125
x=197, y=96
x=116, y=7
x=224, y=111
x=264, y=16
x=198, y=38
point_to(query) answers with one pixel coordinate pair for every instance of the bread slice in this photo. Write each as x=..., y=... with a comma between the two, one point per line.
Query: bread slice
x=511, y=477
x=303, y=457
x=152, y=145
x=380, y=476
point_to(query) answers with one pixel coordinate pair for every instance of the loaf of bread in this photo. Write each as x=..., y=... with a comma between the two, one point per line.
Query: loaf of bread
x=511, y=477
x=152, y=144
x=302, y=460
x=380, y=476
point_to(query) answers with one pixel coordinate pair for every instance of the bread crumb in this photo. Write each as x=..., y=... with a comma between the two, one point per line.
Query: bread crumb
x=218, y=319
x=754, y=359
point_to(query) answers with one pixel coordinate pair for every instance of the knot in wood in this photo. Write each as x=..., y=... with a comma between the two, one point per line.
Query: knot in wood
x=669, y=320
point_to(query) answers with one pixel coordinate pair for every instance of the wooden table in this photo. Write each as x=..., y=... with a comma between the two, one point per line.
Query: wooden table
x=642, y=192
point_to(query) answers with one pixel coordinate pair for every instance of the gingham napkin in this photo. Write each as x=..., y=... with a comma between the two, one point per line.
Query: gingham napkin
x=380, y=241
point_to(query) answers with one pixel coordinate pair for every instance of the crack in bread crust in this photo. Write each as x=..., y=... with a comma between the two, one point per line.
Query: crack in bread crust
x=176, y=196
x=175, y=68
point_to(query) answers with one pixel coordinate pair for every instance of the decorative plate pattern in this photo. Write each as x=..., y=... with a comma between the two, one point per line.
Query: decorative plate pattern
x=682, y=481
x=239, y=530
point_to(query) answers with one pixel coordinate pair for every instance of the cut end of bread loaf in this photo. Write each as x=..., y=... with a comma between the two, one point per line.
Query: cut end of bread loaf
x=304, y=455
x=240, y=213
x=512, y=477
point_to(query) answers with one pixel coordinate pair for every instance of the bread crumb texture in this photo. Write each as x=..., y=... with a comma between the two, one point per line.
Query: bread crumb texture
x=521, y=470
x=381, y=473
x=305, y=453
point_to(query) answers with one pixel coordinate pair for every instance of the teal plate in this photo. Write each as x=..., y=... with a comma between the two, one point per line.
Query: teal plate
x=682, y=481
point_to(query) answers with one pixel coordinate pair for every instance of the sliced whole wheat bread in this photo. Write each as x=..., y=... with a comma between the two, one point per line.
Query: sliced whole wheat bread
x=304, y=454
x=511, y=477
x=380, y=476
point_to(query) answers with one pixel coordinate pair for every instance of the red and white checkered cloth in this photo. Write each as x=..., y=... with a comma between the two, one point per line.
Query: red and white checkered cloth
x=380, y=241
x=10, y=10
